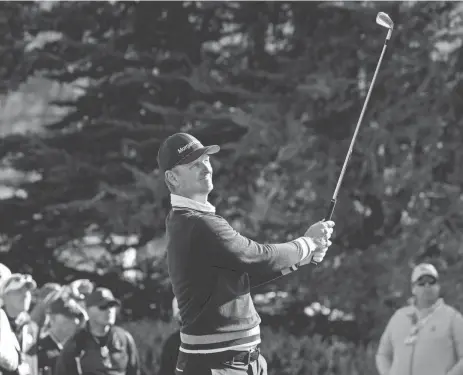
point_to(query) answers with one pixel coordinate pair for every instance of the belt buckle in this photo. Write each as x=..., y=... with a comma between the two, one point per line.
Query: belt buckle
x=250, y=353
x=247, y=359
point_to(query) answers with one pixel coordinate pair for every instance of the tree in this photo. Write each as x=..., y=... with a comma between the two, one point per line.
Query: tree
x=279, y=86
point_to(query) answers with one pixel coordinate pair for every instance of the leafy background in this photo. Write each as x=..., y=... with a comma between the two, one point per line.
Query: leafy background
x=90, y=89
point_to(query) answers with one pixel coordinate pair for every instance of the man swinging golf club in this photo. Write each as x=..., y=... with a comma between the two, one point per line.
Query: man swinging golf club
x=212, y=267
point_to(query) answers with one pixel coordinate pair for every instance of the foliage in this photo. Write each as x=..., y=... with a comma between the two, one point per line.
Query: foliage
x=279, y=86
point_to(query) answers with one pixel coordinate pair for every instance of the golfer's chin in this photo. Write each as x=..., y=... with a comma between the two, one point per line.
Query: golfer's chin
x=209, y=186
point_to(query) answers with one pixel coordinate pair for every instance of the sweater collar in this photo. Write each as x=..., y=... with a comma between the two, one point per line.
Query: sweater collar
x=178, y=201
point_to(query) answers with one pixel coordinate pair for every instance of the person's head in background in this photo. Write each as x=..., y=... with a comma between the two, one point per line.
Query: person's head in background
x=425, y=285
x=101, y=309
x=17, y=294
x=42, y=298
x=5, y=274
x=79, y=290
x=64, y=317
x=41, y=294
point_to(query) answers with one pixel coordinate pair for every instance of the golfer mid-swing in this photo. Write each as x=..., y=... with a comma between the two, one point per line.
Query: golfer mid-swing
x=212, y=267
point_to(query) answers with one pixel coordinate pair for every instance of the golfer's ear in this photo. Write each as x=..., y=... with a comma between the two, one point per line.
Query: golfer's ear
x=170, y=177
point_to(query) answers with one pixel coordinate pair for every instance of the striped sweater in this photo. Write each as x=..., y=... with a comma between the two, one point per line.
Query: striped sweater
x=212, y=269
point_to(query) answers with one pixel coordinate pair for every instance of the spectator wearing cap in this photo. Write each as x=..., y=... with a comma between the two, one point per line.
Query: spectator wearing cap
x=64, y=317
x=5, y=274
x=43, y=297
x=9, y=348
x=425, y=338
x=16, y=294
x=100, y=347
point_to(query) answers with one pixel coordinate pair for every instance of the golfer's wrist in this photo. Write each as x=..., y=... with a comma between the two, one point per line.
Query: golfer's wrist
x=307, y=246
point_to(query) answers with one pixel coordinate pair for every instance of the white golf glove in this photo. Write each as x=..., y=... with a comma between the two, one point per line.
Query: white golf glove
x=320, y=253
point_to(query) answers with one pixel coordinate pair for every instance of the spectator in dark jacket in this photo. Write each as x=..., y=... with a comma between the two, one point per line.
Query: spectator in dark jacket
x=64, y=316
x=100, y=347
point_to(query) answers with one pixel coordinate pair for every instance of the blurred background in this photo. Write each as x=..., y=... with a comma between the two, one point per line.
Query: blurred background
x=90, y=89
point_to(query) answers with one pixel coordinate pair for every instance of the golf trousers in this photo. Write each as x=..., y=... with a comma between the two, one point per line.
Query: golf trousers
x=188, y=364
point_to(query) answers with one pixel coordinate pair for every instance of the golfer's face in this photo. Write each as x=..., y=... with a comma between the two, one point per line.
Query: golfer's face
x=196, y=177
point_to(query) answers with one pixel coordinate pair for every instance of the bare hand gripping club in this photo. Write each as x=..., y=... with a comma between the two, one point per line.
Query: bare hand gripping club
x=384, y=20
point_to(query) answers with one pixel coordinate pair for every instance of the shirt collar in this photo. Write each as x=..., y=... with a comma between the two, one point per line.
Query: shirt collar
x=54, y=339
x=178, y=201
x=428, y=310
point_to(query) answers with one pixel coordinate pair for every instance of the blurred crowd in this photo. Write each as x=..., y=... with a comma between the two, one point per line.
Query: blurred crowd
x=61, y=329
x=71, y=330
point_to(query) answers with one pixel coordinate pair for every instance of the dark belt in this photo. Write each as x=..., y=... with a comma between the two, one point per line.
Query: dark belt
x=233, y=356
x=227, y=357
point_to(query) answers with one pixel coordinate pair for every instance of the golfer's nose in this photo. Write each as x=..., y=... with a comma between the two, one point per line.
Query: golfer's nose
x=206, y=167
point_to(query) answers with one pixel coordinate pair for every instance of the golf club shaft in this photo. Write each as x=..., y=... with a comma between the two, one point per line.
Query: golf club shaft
x=354, y=137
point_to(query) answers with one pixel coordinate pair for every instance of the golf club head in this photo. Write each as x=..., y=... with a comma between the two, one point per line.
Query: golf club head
x=384, y=20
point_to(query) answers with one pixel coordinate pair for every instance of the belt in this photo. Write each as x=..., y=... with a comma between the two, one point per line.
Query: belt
x=233, y=356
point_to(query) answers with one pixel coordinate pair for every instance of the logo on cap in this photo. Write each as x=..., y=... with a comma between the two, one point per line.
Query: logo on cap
x=187, y=146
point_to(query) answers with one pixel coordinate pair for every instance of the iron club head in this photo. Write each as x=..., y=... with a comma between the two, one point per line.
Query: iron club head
x=384, y=20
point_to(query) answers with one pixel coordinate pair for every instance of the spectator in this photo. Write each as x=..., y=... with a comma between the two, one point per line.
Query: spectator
x=5, y=274
x=43, y=298
x=100, y=347
x=9, y=348
x=17, y=297
x=425, y=338
x=65, y=317
x=170, y=349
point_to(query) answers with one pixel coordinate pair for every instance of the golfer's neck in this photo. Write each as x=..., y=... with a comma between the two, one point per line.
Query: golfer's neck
x=201, y=198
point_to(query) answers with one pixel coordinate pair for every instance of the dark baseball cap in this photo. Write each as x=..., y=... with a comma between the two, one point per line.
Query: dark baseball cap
x=101, y=297
x=182, y=148
x=69, y=308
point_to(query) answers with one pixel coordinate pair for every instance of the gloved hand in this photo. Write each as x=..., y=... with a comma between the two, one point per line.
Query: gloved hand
x=320, y=253
x=320, y=233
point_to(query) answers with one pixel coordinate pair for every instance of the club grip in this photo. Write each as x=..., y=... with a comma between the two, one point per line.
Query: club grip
x=327, y=218
x=331, y=210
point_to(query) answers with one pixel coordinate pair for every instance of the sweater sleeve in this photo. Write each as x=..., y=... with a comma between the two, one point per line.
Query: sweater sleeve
x=221, y=246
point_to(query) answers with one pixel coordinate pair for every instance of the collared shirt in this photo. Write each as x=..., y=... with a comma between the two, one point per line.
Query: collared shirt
x=179, y=201
x=434, y=348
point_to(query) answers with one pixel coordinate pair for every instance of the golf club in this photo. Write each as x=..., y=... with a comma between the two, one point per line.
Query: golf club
x=384, y=20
